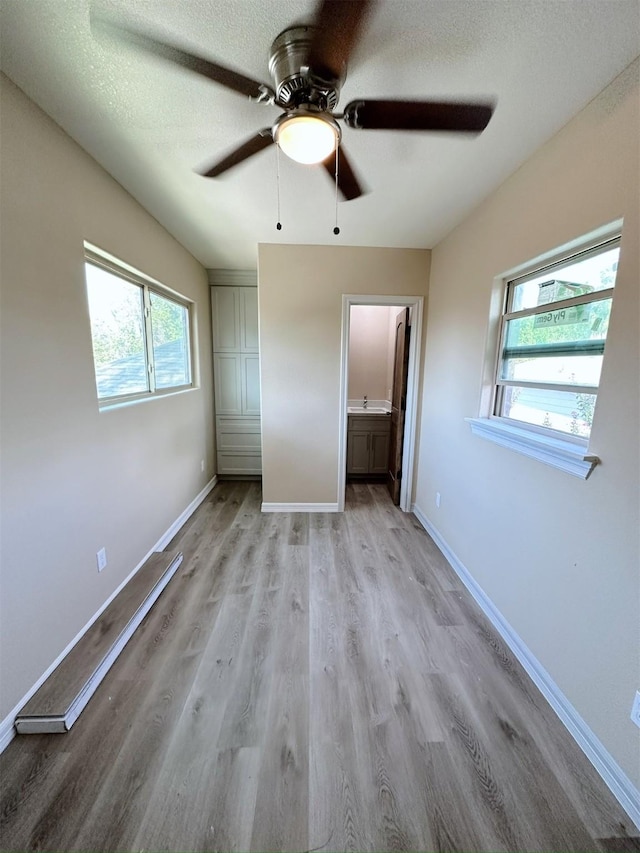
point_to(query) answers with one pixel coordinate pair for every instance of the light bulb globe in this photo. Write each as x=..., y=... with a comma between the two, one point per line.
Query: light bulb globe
x=307, y=138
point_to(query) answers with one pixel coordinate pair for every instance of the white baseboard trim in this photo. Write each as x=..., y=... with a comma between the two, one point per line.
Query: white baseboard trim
x=7, y=727
x=46, y=724
x=280, y=507
x=166, y=537
x=613, y=775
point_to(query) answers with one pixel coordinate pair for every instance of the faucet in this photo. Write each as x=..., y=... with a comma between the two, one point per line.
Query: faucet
x=364, y=404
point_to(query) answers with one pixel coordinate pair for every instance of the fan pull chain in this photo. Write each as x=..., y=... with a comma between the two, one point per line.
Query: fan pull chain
x=278, y=223
x=336, y=230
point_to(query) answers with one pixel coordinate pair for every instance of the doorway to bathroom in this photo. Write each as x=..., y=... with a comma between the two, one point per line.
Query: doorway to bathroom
x=379, y=380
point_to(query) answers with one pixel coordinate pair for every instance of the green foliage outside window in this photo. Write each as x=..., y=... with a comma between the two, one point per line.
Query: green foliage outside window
x=128, y=360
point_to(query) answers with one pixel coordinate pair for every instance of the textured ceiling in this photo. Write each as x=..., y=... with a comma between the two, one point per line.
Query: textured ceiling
x=150, y=124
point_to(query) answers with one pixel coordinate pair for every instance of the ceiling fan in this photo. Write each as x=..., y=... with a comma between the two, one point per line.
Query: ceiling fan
x=308, y=67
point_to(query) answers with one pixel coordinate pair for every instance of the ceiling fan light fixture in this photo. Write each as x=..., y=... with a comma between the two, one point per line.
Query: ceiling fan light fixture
x=307, y=137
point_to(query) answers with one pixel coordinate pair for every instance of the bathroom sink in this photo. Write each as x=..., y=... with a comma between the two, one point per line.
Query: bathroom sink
x=370, y=410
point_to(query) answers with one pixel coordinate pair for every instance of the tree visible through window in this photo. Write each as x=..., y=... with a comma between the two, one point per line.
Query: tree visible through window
x=141, y=342
x=553, y=338
x=170, y=335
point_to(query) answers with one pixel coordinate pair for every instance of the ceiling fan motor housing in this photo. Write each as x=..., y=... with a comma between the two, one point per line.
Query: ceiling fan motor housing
x=295, y=84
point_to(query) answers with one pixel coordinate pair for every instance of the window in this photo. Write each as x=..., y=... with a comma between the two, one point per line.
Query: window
x=140, y=333
x=553, y=337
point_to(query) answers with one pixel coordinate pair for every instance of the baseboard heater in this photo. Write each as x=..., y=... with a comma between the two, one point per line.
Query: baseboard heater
x=57, y=704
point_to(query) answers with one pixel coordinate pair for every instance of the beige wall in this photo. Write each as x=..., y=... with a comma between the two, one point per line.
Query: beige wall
x=560, y=557
x=300, y=295
x=75, y=479
x=371, y=351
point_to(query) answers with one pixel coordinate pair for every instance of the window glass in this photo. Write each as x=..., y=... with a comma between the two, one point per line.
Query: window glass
x=562, y=346
x=553, y=340
x=565, y=412
x=141, y=342
x=117, y=330
x=170, y=334
x=596, y=272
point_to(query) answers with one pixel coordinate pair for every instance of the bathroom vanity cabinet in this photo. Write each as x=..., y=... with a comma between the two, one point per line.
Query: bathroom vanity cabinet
x=236, y=372
x=368, y=445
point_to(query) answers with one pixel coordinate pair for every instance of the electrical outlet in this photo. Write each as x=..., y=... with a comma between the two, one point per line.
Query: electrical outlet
x=101, y=559
x=635, y=710
x=437, y=499
x=202, y=464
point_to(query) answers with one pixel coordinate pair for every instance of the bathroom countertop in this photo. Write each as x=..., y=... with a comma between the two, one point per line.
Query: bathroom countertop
x=370, y=410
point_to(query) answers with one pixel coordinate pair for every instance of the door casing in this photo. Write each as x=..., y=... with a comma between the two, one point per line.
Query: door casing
x=411, y=416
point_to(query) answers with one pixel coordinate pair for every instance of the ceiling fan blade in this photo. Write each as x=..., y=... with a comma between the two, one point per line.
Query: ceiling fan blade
x=252, y=146
x=418, y=115
x=338, y=24
x=218, y=73
x=348, y=184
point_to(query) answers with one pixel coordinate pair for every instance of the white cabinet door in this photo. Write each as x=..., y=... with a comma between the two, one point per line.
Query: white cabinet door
x=238, y=434
x=225, y=316
x=233, y=464
x=250, y=384
x=249, y=319
x=237, y=383
x=227, y=375
x=236, y=364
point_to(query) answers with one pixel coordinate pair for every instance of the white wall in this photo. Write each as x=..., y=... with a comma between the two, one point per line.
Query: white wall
x=300, y=296
x=560, y=557
x=75, y=479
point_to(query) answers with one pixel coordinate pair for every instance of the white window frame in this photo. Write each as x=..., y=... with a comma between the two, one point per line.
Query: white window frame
x=509, y=314
x=561, y=450
x=97, y=257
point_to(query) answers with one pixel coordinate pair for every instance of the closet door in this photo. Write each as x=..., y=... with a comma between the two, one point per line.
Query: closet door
x=250, y=384
x=249, y=319
x=225, y=316
x=236, y=364
x=227, y=376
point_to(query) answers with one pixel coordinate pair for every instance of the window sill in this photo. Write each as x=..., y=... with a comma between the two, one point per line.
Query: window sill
x=107, y=405
x=564, y=455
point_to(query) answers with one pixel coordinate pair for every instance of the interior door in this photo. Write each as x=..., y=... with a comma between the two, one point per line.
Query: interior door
x=398, y=404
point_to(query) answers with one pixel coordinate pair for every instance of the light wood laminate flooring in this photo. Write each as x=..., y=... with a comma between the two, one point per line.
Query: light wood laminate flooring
x=310, y=682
